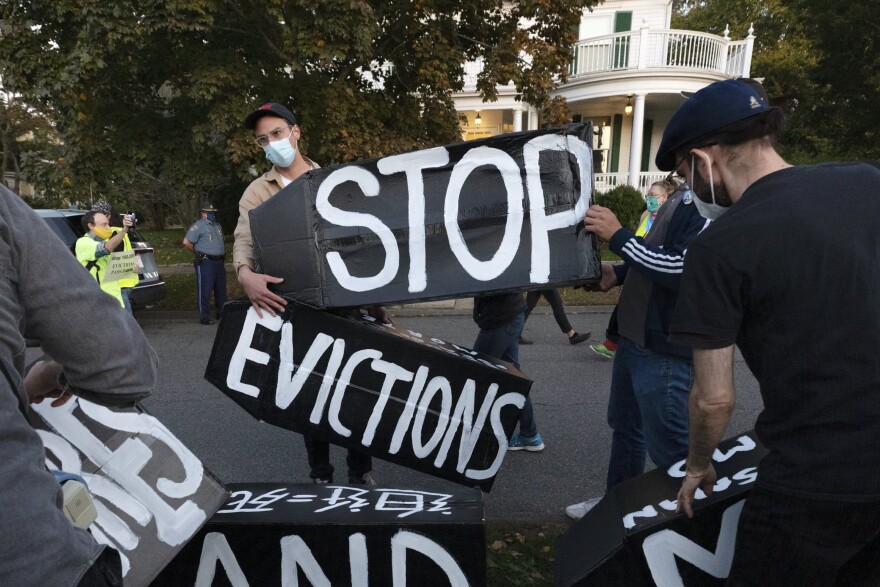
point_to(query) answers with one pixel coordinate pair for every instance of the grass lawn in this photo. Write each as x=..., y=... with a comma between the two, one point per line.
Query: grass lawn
x=520, y=555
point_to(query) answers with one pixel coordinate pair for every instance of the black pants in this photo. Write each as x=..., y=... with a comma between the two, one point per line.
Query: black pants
x=555, y=300
x=789, y=541
x=319, y=460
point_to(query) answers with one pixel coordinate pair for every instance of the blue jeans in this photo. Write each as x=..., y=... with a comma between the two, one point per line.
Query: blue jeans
x=503, y=343
x=647, y=409
x=126, y=291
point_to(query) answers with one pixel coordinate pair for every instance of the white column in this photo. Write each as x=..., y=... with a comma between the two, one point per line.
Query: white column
x=517, y=117
x=643, y=48
x=533, y=119
x=635, y=150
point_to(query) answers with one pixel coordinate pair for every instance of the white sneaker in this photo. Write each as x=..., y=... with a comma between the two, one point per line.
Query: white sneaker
x=576, y=511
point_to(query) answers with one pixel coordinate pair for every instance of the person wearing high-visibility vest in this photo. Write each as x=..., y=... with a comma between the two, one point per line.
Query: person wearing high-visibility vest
x=126, y=284
x=93, y=250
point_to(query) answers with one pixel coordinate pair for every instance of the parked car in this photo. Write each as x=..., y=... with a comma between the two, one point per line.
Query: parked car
x=68, y=226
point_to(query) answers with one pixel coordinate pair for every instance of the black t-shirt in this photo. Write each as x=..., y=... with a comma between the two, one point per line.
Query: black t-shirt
x=497, y=310
x=791, y=274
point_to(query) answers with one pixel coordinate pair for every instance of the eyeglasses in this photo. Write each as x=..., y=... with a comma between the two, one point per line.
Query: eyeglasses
x=676, y=173
x=275, y=135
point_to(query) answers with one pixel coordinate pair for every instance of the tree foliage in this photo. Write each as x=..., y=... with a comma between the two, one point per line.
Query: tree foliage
x=148, y=96
x=806, y=52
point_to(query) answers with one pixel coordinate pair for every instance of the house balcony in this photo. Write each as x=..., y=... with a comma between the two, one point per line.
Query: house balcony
x=629, y=84
x=634, y=54
x=671, y=51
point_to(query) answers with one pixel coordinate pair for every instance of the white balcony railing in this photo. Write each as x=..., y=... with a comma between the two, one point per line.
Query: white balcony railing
x=608, y=181
x=655, y=49
x=661, y=49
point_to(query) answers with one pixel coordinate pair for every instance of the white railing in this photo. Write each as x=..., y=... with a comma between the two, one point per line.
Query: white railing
x=608, y=181
x=661, y=49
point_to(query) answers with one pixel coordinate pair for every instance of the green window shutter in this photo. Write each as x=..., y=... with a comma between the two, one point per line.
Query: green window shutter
x=617, y=130
x=622, y=24
x=646, y=144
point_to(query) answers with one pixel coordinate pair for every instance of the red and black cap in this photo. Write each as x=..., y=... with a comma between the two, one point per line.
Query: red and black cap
x=269, y=109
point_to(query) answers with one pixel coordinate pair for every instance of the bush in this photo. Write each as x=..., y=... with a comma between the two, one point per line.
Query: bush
x=626, y=202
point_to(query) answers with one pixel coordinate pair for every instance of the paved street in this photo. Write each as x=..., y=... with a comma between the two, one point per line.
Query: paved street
x=570, y=394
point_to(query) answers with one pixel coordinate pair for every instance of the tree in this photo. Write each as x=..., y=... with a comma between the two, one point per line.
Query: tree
x=846, y=41
x=155, y=91
x=804, y=52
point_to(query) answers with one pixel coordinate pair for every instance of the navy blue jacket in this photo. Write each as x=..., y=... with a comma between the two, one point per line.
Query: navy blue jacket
x=663, y=266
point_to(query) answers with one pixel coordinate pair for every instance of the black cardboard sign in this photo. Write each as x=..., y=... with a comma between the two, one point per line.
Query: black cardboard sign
x=498, y=214
x=398, y=395
x=152, y=494
x=634, y=537
x=274, y=534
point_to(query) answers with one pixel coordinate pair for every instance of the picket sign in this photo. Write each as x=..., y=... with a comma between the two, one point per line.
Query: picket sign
x=498, y=214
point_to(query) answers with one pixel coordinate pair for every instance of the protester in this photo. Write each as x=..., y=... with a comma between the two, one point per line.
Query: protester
x=501, y=318
x=650, y=378
x=657, y=195
x=94, y=249
x=788, y=272
x=277, y=132
x=608, y=348
x=126, y=284
x=46, y=297
x=555, y=300
x=205, y=240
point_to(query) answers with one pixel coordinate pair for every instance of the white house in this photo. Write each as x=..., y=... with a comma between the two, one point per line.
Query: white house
x=628, y=72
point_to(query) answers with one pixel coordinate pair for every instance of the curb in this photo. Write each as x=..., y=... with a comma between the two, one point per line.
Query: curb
x=418, y=310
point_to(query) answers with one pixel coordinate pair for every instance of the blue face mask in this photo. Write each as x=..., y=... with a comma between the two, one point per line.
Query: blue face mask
x=653, y=203
x=280, y=152
x=212, y=217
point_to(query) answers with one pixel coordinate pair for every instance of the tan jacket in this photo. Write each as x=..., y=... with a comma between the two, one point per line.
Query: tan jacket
x=260, y=190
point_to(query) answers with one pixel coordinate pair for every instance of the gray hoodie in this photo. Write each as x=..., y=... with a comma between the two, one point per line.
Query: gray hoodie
x=46, y=295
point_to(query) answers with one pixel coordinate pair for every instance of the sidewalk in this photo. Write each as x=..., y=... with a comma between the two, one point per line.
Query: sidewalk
x=453, y=307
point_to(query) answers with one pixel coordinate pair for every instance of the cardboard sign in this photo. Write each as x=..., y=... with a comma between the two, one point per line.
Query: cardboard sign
x=121, y=266
x=321, y=535
x=151, y=493
x=634, y=537
x=498, y=214
x=398, y=395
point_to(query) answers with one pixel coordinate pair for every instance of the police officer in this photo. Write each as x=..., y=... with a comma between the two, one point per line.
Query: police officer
x=205, y=240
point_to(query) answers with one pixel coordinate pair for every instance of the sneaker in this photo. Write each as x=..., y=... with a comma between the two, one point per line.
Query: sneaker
x=578, y=338
x=576, y=511
x=534, y=444
x=365, y=479
x=524, y=341
x=320, y=481
x=602, y=350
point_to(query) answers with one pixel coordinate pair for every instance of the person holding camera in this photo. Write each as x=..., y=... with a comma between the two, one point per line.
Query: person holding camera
x=205, y=240
x=94, y=249
x=126, y=284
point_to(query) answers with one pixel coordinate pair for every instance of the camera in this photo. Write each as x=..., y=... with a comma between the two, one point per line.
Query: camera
x=132, y=216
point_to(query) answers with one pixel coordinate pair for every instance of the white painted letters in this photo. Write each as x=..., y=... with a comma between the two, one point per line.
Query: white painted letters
x=369, y=185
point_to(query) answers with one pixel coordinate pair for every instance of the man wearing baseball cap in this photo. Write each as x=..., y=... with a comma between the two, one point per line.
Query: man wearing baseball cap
x=277, y=133
x=789, y=272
